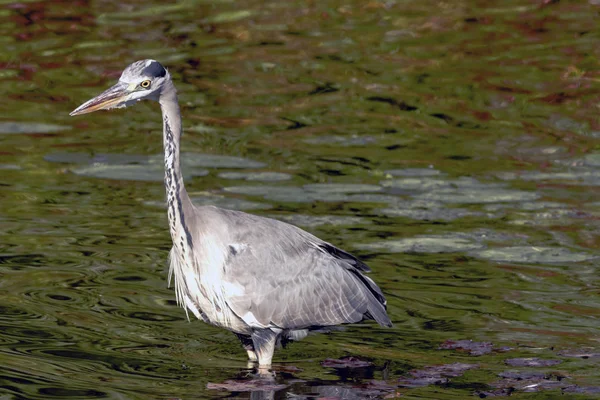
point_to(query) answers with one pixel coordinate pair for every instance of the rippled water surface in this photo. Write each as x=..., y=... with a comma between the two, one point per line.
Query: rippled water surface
x=454, y=146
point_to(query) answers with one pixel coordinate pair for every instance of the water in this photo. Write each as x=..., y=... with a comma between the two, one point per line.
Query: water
x=452, y=146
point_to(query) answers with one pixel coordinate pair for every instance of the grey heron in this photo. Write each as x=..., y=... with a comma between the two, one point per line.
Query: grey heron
x=265, y=280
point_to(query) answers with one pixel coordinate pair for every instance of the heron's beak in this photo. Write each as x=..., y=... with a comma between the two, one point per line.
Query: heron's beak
x=110, y=98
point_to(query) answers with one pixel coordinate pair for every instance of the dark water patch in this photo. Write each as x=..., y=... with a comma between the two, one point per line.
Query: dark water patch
x=18, y=262
x=59, y=297
x=31, y=334
x=327, y=87
x=146, y=316
x=130, y=278
x=61, y=392
x=346, y=362
x=10, y=312
x=393, y=102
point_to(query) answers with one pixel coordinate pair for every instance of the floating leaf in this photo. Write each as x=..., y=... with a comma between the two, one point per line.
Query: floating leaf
x=530, y=254
x=230, y=16
x=31, y=127
x=423, y=244
x=256, y=176
x=531, y=362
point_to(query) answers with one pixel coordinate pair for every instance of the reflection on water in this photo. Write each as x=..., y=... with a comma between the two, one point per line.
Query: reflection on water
x=454, y=148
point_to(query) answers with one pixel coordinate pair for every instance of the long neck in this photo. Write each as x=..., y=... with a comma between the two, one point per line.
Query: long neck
x=179, y=204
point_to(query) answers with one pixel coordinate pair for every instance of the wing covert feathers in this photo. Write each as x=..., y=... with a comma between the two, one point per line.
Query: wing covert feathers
x=290, y=279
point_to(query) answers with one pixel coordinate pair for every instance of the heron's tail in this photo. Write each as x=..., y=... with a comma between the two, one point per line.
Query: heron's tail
x=378, y=313
x=376, y=309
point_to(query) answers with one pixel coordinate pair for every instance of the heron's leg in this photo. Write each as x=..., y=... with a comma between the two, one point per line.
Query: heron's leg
x=248, y=346
x=264, y=345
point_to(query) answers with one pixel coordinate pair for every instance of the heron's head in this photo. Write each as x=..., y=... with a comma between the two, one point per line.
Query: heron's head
x=141, y=80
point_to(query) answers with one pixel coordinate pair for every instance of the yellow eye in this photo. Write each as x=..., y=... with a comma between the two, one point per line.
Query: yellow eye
x=145, y=84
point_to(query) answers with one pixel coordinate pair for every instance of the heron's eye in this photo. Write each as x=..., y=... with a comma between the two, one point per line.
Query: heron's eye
x=145, y=84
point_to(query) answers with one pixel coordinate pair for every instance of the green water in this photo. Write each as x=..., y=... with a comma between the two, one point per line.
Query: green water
x=454, y=146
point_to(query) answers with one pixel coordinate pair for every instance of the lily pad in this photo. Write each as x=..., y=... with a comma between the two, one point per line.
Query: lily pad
x=256, y=176
x=485, y=235
x=582, y=353
x=434, y=214
x=10, y=167
x=435, y=375
x=211, y=161
x=531, y=362
x=341, y=188
x=473, y=348
x=411, y=185
x=7, y=128
x=423, y=244
x=134, y=172
x=584, y=177
x=373, y=198
x=228, y=16
x=520, y=375
x=286, y=194
x=264, y=190
x=346, y=141
x=98, y=158
x=144, y=168
x=530, y=254
x=312, y=221
x=413, y=172
x=526, y=381
x=592, y=160
x=479, y=196
x=582, y=389
x=526, y=206
x=230, y=203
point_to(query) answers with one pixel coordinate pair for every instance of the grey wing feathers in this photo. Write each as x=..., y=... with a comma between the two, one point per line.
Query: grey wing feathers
x=293, y=280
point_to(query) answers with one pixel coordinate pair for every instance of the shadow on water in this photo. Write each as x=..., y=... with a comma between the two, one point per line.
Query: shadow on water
x=452, y=146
